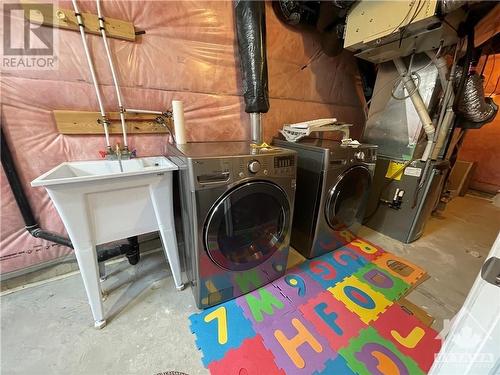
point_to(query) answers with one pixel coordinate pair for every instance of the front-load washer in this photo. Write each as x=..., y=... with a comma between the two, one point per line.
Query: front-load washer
x=237, y=206
x=333, y=184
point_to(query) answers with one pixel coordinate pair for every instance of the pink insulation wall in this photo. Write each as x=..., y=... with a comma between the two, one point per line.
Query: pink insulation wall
x=189, y=53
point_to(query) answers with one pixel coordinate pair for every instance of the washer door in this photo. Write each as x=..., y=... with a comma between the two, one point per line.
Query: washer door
x=347, y=199
x=247, y=225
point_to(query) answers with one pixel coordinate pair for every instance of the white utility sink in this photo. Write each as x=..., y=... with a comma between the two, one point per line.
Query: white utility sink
x=79, y=171
x=98, y=203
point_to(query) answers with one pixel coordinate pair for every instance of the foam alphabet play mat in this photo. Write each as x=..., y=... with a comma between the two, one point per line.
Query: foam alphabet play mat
x=335, y=314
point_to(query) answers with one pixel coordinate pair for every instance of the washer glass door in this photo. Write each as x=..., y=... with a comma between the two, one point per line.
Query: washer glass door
x=247, y=225
x=347, y=199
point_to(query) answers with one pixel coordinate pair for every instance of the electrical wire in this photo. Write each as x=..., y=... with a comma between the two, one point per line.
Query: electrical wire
x=415, y=73
x=491, y=72
x=495, y=89
x=404, y=19
x=396, y=81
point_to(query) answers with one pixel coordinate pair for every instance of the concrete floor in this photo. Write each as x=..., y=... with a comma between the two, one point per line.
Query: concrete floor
x=47, y=328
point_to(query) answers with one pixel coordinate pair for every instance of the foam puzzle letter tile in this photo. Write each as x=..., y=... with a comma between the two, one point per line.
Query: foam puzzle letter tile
x=365, y=248
x=297, y=347
x=332, y=319
x=331, y=268
x=220, y=329
x=359, y=298
x=336, y=366
x=297, y=286
x=264, y=305
x=382, y=281
x=250, y=358
x=399, y=267
x=409, y=335
x=370, y=354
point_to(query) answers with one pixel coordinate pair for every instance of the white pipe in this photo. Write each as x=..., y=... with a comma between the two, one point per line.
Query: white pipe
x=113, y=72
x=419, y=105
x=146, y=111
x=447, y=116
x=92, y=71
x=179, y=127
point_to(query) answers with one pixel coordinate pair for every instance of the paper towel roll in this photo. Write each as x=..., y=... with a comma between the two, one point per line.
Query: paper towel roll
x=179, y=128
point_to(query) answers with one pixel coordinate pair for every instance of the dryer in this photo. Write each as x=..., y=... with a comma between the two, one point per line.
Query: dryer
x=237, y=206
x=333, y=185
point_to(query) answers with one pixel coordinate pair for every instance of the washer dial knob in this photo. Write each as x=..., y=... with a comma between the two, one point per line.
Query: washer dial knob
x=254, y=166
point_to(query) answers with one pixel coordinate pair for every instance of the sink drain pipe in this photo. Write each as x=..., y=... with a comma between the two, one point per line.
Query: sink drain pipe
x=251, y=35
x=130, y=250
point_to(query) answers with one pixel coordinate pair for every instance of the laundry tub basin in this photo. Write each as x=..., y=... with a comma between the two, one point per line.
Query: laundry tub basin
x=99, y=203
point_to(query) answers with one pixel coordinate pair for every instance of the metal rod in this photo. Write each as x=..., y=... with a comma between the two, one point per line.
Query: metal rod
x=92, y=71
x=113, y=72
x=147, y=111
x=256, y=127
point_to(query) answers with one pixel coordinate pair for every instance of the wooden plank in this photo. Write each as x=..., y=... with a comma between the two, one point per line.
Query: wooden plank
x=416, y=311
x=488, y=27
x=80, y=122
x=66, y=19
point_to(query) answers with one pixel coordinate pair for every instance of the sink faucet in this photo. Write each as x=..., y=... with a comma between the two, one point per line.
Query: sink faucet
x=118, y=153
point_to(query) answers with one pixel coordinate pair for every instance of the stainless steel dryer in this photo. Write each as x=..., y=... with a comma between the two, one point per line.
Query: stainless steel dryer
x=333, y=184
x=237, y=206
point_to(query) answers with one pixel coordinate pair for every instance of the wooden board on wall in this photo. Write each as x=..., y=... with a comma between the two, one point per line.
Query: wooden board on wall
x=45, y=14
x=488, y=27
x=81, y=122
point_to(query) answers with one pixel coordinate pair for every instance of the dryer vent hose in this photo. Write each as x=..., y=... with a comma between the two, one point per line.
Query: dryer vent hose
x=251, y=34
x=472, y=105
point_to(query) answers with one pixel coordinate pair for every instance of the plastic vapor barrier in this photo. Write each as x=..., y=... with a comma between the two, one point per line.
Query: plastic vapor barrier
x=189, y=53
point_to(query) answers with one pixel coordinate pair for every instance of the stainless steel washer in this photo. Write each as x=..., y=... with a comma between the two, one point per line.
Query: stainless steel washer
x=333, y=184
x=237, y=205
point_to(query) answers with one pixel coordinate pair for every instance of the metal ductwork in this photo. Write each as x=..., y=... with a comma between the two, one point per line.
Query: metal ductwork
x=251, y=34
x=474, y=108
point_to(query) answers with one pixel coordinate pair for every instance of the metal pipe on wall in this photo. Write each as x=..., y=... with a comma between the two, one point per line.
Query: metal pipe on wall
x=447, y=115
x=81, y=26
x=102, y=27
x=256, y=127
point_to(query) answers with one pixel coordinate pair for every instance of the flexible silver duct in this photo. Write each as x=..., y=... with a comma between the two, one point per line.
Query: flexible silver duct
x=472, y=105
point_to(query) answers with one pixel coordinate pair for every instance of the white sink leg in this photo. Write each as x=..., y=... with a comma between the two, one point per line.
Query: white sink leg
x=166, y=227
x=87, y=262
x=170, y=247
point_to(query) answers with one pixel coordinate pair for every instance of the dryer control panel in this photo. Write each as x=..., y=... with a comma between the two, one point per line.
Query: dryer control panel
x=211, y=172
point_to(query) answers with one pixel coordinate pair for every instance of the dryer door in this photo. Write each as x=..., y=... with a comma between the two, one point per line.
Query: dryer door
x=346, y=200
x=247, y=225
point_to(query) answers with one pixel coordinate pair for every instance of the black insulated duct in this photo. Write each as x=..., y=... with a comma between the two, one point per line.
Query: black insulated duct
x=131, y=250
x=22, y=202
x=251, y=35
